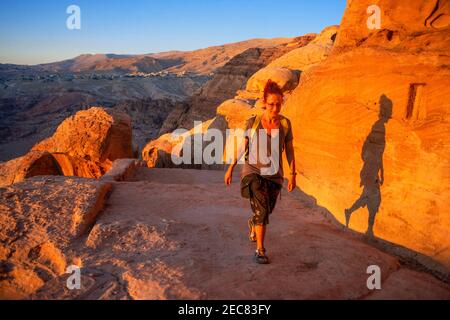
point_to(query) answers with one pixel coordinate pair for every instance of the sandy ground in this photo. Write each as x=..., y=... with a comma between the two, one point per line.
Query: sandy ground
x=182, y=234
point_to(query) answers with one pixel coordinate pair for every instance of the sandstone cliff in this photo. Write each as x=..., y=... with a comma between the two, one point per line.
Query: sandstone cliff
x=371, y=126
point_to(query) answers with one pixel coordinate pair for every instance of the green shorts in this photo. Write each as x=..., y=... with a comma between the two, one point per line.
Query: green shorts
x=263, y=197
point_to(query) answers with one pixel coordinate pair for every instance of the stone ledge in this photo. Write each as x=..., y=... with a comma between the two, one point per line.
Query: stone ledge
x=123, y=169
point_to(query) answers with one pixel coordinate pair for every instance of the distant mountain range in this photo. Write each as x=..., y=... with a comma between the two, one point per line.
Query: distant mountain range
x=202, y=61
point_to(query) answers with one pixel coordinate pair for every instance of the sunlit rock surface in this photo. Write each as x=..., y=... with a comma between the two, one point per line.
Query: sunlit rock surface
x=371, y=127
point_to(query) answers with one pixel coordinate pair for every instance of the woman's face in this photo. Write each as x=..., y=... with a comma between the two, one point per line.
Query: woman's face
x=273, y=104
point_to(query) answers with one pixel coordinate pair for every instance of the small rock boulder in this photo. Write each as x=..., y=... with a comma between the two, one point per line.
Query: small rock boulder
x=158, y=153
x=88, y=142
x=236, y=112
x=287, y=79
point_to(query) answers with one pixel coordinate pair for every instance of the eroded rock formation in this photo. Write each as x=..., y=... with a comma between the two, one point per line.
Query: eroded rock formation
x=371, y=127
x=84, y=145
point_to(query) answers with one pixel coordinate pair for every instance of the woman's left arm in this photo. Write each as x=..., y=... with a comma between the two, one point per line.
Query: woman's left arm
x=291, y=161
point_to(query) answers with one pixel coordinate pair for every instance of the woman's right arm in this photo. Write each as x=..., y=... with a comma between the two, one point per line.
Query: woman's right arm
x=239, y=151
x=237, y=155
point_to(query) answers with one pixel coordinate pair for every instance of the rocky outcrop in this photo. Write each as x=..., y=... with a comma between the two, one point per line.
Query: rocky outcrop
x=157, y=152
x=371, y=126
x=90, y=141
x=415, y=27
x=286, y=79
x=123, y=170
x=40, y=218
x=287, y=69
x=96, y=134
x=160, y=153
x=314, y=52
x=84, y=145
x=236, y=112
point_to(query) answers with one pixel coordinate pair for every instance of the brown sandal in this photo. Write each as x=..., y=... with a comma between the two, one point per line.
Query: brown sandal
x=260, y=257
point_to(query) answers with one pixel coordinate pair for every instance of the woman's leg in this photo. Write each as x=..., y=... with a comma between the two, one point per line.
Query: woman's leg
x=260, y=235
x=252, y=233
x=258, y=203
x=271, y=193
x=262, y=201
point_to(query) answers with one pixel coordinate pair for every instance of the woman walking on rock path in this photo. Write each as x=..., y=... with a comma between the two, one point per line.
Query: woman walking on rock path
x=271, y=133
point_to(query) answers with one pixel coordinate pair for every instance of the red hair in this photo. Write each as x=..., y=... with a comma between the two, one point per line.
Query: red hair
x=272, y=88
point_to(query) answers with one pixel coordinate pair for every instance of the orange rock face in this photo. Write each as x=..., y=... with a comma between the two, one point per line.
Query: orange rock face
x=91, y=140
x=409, y=25
x=371, y=126
x=84, y=145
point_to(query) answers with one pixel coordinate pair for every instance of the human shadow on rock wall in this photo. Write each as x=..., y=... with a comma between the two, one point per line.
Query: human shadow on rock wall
x=372, y=172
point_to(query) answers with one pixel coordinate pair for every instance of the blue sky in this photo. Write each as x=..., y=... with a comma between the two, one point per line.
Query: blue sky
x=35, y=31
